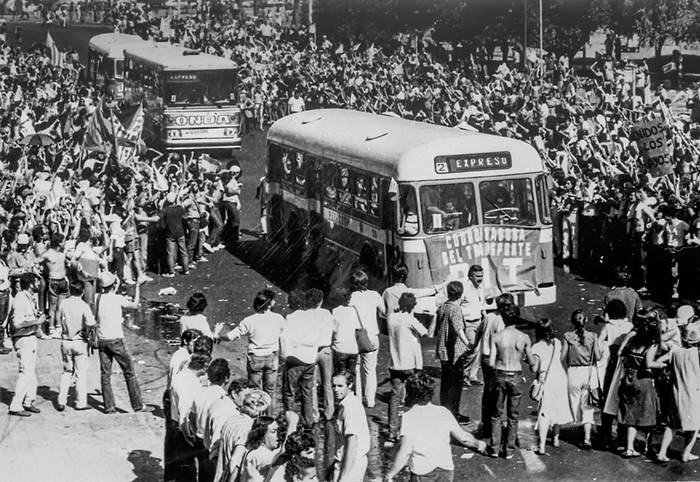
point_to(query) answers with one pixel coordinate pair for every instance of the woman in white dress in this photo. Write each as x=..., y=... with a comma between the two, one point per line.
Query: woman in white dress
x=554, y=409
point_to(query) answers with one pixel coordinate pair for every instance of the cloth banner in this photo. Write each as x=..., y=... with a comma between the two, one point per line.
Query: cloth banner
x=56, y=55
x=654, y=142
x=507, y=255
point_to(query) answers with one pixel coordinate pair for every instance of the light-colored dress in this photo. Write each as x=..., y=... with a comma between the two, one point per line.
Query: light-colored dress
x=686, y=390
x=555, y=407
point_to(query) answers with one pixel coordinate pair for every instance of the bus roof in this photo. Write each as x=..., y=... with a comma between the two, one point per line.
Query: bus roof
x=113, y=44
x=396, y=147
x=171, y=57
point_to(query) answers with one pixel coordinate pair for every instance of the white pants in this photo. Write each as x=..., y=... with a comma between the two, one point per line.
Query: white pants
x=75, y=363
x=25, y=390
x=357, y=473
x=367, y=370
x=578, y=379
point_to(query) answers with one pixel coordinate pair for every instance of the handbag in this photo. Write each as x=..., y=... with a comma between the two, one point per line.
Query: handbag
x=594, y=395
x=364, y=344
x=537, y=387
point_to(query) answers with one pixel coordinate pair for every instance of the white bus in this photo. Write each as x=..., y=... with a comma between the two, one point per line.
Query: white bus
x=190, y=98
x=375, y=190
x=105, y=67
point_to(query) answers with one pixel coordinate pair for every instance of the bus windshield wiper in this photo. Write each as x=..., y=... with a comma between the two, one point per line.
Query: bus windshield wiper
x=498, y=208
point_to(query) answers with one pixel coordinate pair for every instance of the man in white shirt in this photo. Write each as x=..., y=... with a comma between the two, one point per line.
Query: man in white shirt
x=369, y=304
x=300, y=343
x=473, y=302
x=263, y=330
x=24, y=320
x=322, y=322
x=110, y=318
x=296, y=103
x=185, y=385
x=352, y=441
x=75, y=318
x=426, y=433
x=392, y=294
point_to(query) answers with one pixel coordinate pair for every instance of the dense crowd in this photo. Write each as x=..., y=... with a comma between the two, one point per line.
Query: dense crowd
x=77, y=229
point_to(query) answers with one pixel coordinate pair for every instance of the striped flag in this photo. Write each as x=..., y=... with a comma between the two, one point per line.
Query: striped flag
x=56, y=55
x=127, y=138
x=99, y=131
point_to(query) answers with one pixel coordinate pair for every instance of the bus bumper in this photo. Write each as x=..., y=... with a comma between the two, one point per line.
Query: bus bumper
x=546, y=296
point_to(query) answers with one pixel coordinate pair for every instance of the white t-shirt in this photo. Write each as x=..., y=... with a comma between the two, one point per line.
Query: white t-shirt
x=345, y=324
x=296, y=104
x=427, y=429
x=404, y=346
x=352, y=420
x=109, y=315
x=368, y=303
x=263, y=331
x=195, y=322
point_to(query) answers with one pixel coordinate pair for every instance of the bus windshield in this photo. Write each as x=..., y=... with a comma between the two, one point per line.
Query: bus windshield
x=199, y=88
x=508, y=201
x=447, y=207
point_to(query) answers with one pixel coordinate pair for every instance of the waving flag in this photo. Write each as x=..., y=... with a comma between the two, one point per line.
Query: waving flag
x=127, y=139
x=56, y=55
x=99, y=131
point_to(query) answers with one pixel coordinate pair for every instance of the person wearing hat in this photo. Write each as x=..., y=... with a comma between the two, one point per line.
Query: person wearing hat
x=110, y=318
x=685, y=411
x=21, y=259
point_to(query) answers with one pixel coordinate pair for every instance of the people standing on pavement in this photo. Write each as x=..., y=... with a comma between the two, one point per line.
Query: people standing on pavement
x=55, y=261
x=508, y=347
x=299, y=349
x=264, y=330
x=369, y=306
x=195, y=318
x=110, y=318
x=172, y=220
x=554, y=409
x=392, y=294
x=4, y=305
x=580, y=354
x=452, y=344
x=352, y=441
x=406, y=356
x=622, y=291
x=231, y=202
x=473, y=303
x=25, y=320
x=491, y=324
x=426, y=433
x=346, y=321
x=76, y=319
x=322, y=323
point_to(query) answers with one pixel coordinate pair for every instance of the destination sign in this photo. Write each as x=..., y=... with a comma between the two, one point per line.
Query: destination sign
x=485, y=161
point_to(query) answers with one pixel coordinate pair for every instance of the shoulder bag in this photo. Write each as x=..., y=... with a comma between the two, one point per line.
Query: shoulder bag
x=364, y=344
x=594, y=397
x=537, y=388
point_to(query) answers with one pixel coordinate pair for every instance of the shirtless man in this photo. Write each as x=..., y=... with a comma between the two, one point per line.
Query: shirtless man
x=55, y=261
x=507, y=349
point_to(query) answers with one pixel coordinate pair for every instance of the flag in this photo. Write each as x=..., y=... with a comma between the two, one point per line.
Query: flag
x=127, y=139
x=26, y=124
x=56, y=55
x=99, y=131
x=371, y=51
x=668, y=67
x=340, y=49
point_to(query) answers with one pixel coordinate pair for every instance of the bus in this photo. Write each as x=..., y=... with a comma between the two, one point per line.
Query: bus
x=105, y=66
x=373, y=190
x=189, y=97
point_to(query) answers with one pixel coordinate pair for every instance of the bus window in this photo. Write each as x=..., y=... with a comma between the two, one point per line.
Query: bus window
x=447, y=207
x=361, y=193
x=300, y=168
x=118, y=69
x=313, y=176
x=330, y=180
x=275, y=170
x=408, y=225
x=508, y=201
x=543, y=199
x=288, y=165
x=374, y=195
x=344, y=187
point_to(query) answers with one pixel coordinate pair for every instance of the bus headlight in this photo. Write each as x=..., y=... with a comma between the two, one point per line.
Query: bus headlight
x=174, y=133
x=229, y=132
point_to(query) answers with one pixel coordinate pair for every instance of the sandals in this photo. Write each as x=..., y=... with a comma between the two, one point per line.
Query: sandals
x=662, y=459
x=537, y=451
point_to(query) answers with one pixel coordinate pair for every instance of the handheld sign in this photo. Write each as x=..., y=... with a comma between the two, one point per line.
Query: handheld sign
x=654, y=146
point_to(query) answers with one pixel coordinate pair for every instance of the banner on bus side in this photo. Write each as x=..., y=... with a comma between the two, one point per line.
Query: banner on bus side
x=507, y=254
x=654, y=145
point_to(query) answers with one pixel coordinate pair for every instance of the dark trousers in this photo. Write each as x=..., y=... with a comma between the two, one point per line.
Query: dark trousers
x=299, y=384
x=398, y=391
x=4, y=304
x=435, y=475
x=487, y=401
x=118, y=262
x=507, y=392
x=173, y=248
x=344, y=361
x=216, y=225
x=194, y=244
x=180, y=465
x=451, y=382
x=115, y=350
x=233, y=221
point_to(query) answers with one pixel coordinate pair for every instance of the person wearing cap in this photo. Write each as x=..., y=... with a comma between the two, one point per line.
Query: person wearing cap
x=25, y=320
x=110, y=319
x=21, y=259
x=685, y=409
